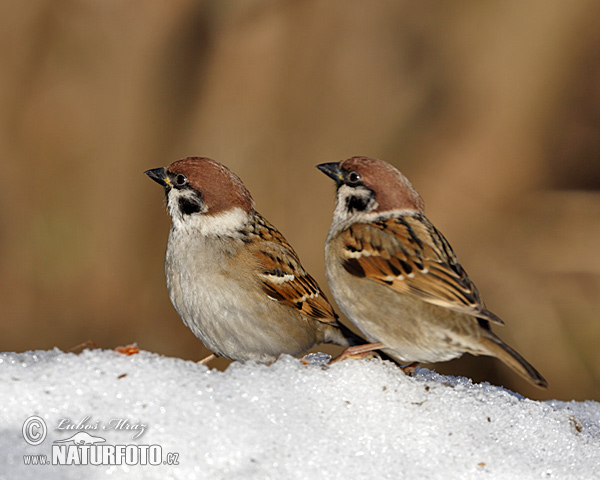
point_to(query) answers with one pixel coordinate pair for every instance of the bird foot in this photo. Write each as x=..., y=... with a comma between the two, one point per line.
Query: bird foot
x=410, y=368
x=358, y=352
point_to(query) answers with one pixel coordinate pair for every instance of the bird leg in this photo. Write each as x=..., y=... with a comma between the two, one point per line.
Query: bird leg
x=358, y=351
x=82, y=346
x=207, y=360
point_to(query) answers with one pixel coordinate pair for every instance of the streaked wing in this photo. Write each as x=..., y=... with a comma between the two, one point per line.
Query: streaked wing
x=283, y=277
x=407, y=253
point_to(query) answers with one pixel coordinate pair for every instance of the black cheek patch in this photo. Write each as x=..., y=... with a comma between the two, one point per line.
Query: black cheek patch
x=189, y=206
x=356, y=203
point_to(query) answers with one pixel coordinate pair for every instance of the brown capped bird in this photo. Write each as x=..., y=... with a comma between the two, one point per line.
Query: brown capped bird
x=396, y=277
x=232, y=277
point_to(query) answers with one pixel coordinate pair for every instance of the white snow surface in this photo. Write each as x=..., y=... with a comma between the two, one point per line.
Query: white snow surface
x=357, y=419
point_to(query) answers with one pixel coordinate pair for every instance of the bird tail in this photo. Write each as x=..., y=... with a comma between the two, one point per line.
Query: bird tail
x=497, y=348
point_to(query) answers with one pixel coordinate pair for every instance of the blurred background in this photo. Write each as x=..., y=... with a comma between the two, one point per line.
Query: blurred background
x=492, y=109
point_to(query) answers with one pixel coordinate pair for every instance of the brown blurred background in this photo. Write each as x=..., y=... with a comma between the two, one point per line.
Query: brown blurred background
x=492, y=109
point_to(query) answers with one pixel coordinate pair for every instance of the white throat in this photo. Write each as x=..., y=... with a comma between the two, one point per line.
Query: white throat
x=223, y=224
x=341, y=212
x=226, y=223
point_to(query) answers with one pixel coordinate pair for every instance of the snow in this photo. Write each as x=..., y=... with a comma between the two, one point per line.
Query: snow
x=354, y=419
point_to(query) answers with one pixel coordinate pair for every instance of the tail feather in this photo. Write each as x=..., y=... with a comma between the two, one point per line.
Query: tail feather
x=497, y=348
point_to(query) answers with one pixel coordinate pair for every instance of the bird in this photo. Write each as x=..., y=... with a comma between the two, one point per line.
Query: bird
x=396, y=277
x=232, y=276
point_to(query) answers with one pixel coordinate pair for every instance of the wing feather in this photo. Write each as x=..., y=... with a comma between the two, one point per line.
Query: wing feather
x=283, y=277
x=408, y=254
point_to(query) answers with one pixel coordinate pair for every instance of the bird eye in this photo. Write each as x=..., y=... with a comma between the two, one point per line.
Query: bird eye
x=181, y=180
x=354, y=177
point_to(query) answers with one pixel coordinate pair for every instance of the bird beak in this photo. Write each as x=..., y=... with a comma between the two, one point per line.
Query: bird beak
x=159, y=175
x=332, y=170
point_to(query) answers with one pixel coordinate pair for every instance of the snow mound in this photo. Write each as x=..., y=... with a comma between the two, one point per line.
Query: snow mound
x=289, y=420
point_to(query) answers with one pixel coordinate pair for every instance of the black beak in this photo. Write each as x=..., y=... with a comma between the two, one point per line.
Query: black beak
x=332, y=170
x=159, y=175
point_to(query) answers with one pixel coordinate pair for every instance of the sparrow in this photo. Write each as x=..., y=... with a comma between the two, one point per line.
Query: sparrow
x=396, y=277
x=232, y=277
